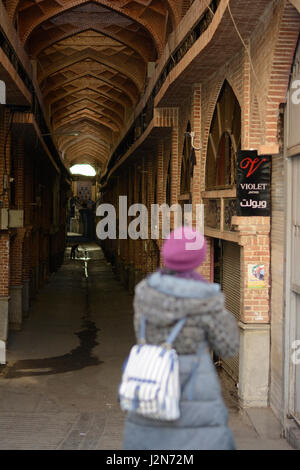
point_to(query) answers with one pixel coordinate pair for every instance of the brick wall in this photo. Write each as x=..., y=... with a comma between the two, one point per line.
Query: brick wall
x=4, y=198
x=25, y=253
x=4, y=264
x=255, y=242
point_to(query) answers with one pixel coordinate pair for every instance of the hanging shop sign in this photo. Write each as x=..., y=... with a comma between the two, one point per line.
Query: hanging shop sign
x=256, y=276
x=253, y=184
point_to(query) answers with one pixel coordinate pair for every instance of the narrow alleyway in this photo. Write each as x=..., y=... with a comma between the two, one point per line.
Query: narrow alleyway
x=59, y=389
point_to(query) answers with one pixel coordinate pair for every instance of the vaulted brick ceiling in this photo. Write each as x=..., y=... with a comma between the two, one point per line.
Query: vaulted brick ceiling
x=92, y=63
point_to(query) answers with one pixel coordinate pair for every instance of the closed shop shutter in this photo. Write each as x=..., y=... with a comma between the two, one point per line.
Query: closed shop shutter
x=295, y=284
x=296, y=226
x=231, y=281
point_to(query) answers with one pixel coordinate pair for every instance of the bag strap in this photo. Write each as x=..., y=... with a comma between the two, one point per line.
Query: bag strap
x=175, y=331
x=170, y=339
x=142, y=333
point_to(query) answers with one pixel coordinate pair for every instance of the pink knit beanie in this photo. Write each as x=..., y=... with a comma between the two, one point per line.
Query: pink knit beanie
x=184, y=249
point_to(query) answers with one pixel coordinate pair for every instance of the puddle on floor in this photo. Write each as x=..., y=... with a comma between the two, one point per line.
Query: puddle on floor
x=76, y=359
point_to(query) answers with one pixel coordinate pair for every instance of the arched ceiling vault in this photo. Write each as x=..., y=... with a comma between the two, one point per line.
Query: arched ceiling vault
x=59, y=57
x=87, y=125
x=100, y=143
x=55, y=85
x=91, y=63
x=152, y=15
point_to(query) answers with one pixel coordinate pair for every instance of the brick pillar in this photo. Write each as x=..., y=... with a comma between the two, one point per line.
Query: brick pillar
x=150, y=201
x=118, y=241
x=145, y=202
x=4, y=293
x=154, y=243
x=4, y=234
x=135, y=243
x=123, y=242
x=26, y=271
x=255, y=322
x=247, y=103
x=140, y=199
x=198, y=181
x=16, y=255
x=174, y=167
x=16, y=287
x=174, y=160
x=160, y=173
x=206, y=270
x=130, y=241
x=125, y=260
x=5, y=138
x=160, y=191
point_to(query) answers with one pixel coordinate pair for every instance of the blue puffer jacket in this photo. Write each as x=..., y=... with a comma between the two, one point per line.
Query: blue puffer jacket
x=163, y=300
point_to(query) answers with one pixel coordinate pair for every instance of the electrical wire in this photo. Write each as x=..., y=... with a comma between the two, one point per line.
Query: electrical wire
x=241, y=38
x=209, y=8
x=243, y=42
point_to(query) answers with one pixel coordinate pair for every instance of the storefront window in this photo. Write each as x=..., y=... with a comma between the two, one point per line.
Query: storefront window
x=224, y=141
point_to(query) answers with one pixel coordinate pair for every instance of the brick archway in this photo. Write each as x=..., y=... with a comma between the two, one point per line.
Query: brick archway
x=207, y=126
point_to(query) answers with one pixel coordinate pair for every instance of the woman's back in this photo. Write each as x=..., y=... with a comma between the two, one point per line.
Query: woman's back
x=163, y=300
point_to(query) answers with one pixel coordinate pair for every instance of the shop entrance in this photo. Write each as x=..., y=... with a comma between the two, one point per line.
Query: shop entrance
x=227, y=274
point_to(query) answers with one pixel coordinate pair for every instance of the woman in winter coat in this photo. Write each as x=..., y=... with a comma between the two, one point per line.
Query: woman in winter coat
x=175, y=292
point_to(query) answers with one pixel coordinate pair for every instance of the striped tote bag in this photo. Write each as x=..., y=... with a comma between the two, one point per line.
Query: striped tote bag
x=150, y=383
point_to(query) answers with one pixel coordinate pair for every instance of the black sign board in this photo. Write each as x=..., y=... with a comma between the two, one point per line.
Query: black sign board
x=253, y=183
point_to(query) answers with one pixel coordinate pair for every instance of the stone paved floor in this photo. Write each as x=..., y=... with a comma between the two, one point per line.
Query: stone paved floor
x=59, y=388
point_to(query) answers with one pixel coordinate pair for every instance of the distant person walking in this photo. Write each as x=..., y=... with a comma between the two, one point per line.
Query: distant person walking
x=163, y=298
x=84, y=213
x=91, y=218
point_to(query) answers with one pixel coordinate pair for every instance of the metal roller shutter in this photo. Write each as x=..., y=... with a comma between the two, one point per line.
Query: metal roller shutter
x=231, y=281
x=295, y=277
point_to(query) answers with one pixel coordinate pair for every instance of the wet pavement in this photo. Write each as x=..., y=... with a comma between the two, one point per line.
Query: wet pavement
x=59, y=388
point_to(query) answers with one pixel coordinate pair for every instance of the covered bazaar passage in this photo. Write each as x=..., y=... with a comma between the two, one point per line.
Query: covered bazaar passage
x=109, y=103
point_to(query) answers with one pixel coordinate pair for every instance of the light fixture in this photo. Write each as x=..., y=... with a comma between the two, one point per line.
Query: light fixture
x=192, y=136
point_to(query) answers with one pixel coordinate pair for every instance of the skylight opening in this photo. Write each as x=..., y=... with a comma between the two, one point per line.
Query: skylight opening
x=83, y=169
